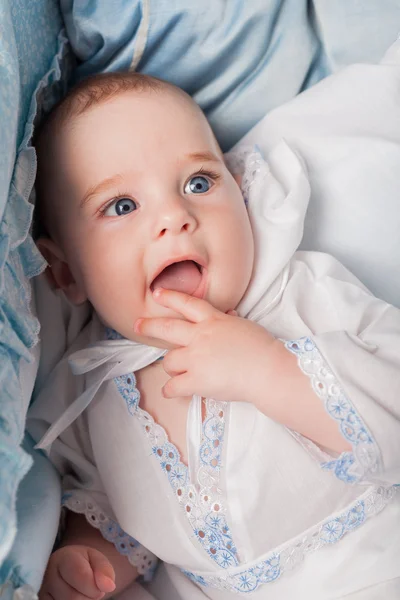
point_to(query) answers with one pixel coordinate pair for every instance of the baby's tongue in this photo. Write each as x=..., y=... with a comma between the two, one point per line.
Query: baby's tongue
x=182, y=277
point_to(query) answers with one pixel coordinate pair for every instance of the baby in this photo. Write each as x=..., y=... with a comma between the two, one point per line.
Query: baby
x=234, y=408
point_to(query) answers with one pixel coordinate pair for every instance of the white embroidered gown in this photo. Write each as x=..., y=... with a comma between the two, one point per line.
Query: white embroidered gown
x=259, y=510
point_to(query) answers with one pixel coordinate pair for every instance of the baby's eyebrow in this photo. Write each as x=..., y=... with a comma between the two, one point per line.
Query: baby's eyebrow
x=101, y=187
x=206, y=156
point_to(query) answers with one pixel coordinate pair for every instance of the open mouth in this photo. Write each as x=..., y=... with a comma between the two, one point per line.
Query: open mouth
x=182, y=276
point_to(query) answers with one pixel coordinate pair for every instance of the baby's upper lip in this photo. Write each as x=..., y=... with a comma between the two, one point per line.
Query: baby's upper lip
x=182, y=257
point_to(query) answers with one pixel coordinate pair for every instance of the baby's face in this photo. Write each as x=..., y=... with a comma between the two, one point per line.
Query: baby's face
x=141, y=185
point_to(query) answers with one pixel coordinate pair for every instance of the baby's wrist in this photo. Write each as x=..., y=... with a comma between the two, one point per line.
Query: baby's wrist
x=265, y=372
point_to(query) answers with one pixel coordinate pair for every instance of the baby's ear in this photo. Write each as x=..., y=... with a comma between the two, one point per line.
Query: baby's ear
x=58, y=273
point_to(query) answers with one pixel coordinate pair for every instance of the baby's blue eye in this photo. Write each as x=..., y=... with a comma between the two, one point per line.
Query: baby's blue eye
x=197, y=185
x=122, y=206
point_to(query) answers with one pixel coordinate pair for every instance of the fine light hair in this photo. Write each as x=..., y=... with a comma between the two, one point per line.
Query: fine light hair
x=96, y=90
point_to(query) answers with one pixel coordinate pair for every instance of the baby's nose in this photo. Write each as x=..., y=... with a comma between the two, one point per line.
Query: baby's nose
x=175, y=218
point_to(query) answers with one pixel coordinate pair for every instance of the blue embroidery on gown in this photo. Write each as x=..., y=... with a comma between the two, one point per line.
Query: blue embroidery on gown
x=204, y=506
x=201, y=502
x=349, y=467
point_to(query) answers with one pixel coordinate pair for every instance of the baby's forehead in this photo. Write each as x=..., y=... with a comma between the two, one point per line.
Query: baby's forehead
x=128, y=99
x=98, y=91
x=91, y=110
x=146, y=116
x=134, y=122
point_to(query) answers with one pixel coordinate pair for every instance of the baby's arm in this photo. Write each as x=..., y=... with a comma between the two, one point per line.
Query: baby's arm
x=350, y=361
x=85, y=566
x=336, y=381
x=281, y=391
x=232, y=359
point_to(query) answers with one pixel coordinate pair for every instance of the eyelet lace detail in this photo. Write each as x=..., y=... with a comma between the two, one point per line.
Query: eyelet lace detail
x=350, y=467
x=201, y=502
x=81, y=503
x=290, y=555
x=249, y=163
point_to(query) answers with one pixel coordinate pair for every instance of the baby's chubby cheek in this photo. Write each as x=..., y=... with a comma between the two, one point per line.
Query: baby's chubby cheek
x=237, y=273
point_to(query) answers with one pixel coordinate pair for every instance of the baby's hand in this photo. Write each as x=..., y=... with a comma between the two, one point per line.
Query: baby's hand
x=216, y=355
x=77, y=573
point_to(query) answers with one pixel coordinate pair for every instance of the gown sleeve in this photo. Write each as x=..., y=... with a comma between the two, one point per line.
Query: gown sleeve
x=351, y=354
x=72, y=455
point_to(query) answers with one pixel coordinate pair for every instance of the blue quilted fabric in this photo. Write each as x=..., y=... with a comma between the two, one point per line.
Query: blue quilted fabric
x=30, y=52
x=237, y=59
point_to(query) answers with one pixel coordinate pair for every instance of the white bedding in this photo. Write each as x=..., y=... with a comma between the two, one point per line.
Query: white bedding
x=347, y=129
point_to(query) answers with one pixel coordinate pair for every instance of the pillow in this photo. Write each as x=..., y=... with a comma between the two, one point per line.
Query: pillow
x=237, y=59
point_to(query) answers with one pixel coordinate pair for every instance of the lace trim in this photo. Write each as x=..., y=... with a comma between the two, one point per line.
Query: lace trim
x=202, y=502
x=212, y=524
x=350, y=467
x=249, y=162
x=25, y=592
x=292, y=554
x=137, y=555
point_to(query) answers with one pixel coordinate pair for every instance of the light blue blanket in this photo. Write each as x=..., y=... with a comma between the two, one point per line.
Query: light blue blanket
x=28, y=45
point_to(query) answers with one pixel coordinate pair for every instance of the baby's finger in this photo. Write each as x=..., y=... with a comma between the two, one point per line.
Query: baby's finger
x=174, y=331
x=77, y=573
x=175, y=362
x=181, y=385
x=193, y=309
x=58, y=589
x=103, y=571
